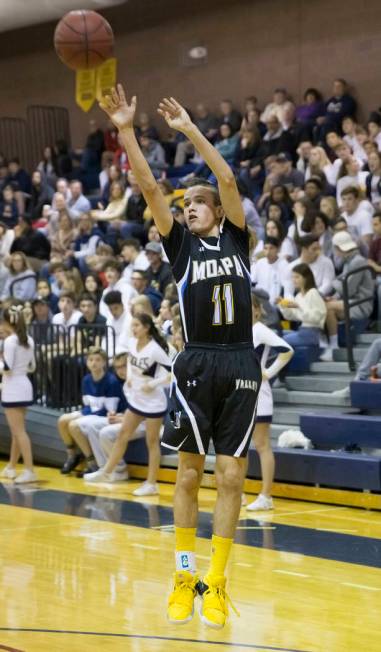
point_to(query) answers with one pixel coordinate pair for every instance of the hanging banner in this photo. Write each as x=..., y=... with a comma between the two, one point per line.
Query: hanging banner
x=106, y=77
x=85, y=89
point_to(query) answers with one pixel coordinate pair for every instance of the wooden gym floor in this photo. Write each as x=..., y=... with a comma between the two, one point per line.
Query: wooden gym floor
x=89, y=568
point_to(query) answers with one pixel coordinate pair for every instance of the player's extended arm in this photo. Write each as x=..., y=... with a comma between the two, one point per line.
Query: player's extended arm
x=122, y=115
x=177, y=118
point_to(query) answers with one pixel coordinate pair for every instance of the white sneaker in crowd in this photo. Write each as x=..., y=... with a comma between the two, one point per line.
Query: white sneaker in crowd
x=8, y=473
x=98, y=476
x=342, y=393
x=26, y=476
x=261, y=503
x=146, y=489
x=327, y=356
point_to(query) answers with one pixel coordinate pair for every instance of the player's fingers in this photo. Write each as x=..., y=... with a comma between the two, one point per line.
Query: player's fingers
x=167, y=104
x=121, y=92
x=133, y=101
x=176, y=103
x=114, y=95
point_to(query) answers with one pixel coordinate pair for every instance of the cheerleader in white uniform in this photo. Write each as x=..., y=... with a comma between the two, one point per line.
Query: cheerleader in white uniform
x=17, y=391
x=147, y=374
x=265, y=340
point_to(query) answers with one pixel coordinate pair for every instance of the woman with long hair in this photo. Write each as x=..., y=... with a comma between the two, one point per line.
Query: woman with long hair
x=17, y=391
x=147, y=375
x=308, y=308
x=21, y=279
x=320, y=165
x=265, y=340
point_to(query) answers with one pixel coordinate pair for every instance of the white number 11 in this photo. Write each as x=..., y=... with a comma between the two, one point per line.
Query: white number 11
x=227, y=298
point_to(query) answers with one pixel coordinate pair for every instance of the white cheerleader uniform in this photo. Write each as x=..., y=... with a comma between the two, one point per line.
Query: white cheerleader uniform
x=264, y=340
x=17, y=389
x=150, y=363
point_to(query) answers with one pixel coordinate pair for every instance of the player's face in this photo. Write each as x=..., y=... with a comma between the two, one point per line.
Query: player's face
x=200, y=212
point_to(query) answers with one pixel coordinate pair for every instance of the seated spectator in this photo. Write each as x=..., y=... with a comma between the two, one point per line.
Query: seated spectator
x=360, y=286
x=343, y=156
x=286, y=174
x=281, y=107
x=313, y=190
x=159, y=273
x=374, y=259
x=288, y=249
x=340, y=105
x=319, y=165
x=373, y=180
x=280, y=196
x=154, y=155
x=328, y=206
x=42, y=316
x=165, y=317
x=307, y=112
x=18, y=176
x=351, y=131
x=111, y=138
x=169, y=193
x=94, y=147
x=271, y=272
x=93, y=286
x=64, y=163
x=103, y=254
x=248, y=148
x=133, y=256
x=304, y=153
x=58, y=209
x=230, y=115
x=86, y=242
x=62, y=240
x=44, y=291
x=6, y=239
x=20, y=281
x=318, y=225
x=206, y=121
x=136, y=206
x=252, y=218
x=33, y=244
x=141, y=304
x=113, y=173
x=68, y=315
x=145, y=128
x=114, y=280
x=9, y=210
x=77, y=203
x=72, y=282
x=374, y=128
x=118, y=320
x=350, y=174
x=55, y=276
x=252, y=120
x=276, y=139
x=102, y=432
x=91, y=326
x=321, y=266
x=307, y=307
x=358, y=219
x=295, y=230
x=47, y=167
x=140, y=282
x=101, y=393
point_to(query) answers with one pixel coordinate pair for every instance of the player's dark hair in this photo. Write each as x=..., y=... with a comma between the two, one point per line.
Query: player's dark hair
x=15, y=318
x=148, y=322
x=199, y=181
x=306, y=272
x=113, y=297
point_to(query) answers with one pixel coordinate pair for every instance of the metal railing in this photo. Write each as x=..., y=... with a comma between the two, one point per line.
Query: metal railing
x=348, y=304
x=61, y=361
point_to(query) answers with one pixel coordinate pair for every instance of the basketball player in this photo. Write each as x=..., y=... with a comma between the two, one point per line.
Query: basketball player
x=216, y=378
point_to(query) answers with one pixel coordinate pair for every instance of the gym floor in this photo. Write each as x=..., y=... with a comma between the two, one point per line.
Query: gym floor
x=87, y=568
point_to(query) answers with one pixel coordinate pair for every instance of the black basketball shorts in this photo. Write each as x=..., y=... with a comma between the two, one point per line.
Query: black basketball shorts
x=214, y=394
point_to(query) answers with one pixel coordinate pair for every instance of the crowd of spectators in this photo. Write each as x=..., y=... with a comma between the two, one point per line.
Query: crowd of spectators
x=310, y=182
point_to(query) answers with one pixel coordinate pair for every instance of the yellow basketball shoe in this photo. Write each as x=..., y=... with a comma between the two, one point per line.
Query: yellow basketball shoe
x=214, y=609
x=180, y=603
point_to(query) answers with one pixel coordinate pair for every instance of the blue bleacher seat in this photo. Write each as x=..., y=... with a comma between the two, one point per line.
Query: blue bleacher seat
x=366, y=395
x=358, y=326
x=301, y=361
x=339, y=430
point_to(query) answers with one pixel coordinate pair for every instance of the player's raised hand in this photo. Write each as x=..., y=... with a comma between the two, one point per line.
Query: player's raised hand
x=174, y=114
x=117, y=108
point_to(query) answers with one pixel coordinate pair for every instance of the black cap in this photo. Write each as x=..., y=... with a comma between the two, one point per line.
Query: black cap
x=40, y=299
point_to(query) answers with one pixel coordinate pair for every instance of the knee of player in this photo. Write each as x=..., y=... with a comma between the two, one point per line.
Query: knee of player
x=190, y=479
x=230, y=480
x=261, y=445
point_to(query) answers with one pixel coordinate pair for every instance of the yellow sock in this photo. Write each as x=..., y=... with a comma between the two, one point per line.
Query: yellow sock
x=185, y=549
x=220, y=554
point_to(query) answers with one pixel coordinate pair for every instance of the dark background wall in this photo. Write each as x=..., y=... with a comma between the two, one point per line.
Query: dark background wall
x=253, y=46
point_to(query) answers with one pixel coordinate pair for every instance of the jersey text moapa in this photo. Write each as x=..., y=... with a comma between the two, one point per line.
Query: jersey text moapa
x=213, y=268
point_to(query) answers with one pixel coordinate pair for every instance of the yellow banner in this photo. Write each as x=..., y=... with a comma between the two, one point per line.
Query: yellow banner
x=85, y=89
x=106, y=77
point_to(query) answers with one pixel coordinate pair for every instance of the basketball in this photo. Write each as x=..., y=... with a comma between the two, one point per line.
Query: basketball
x=83, y=40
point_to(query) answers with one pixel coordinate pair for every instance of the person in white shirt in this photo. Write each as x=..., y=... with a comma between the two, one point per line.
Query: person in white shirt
x=321, y=266
x=68, y=315
x=350, y=174
x=359, y=221
x=265, y=340
x=308, y=308
x=351, y=129
x=147, y=375
x=344, y=154
x=374, y=128
x=113, y=275
x=119, y=320
x=77, y=203
x=282, y=107
x=270, y=273
x=134, y=257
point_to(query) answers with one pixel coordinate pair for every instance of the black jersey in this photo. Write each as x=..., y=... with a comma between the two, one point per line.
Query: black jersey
x=214, y=285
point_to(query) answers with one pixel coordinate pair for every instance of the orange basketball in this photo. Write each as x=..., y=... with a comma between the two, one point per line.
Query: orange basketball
x=83, y=40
